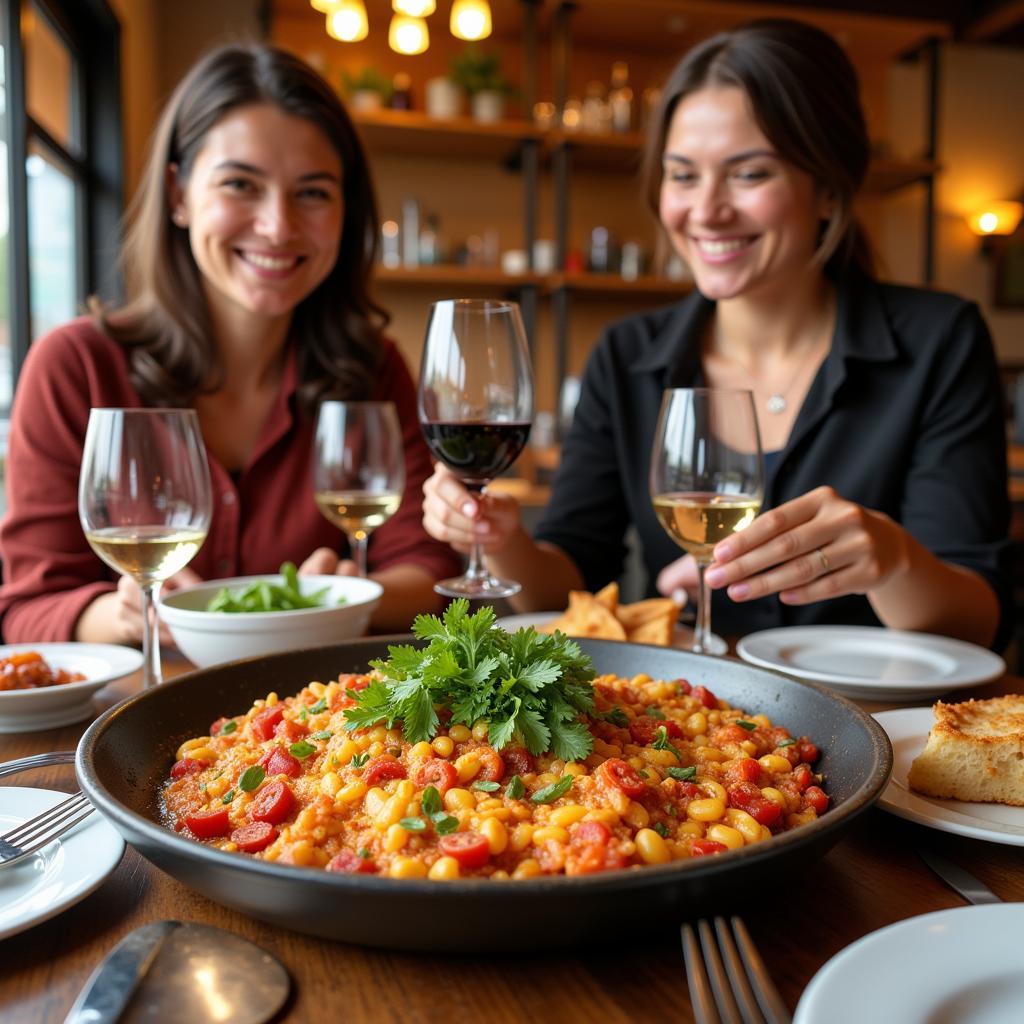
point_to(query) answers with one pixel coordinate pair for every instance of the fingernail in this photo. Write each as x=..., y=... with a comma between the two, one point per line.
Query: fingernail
x=482, y=527
x=714, y=577
x=680, y=597
x=469, y=509
x=722, y=553
x=738, y=591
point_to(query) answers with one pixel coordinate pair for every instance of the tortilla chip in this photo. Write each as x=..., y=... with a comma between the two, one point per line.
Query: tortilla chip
x=589, y=617
x=608, y=596
x=652, y=610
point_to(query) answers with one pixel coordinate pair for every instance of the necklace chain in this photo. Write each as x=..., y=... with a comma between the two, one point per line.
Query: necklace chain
x=777, y=401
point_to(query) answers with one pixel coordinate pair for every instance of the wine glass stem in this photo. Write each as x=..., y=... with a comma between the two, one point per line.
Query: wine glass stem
x=359, y=545
x=476, y=570
x=151, y=673
x=702, y=625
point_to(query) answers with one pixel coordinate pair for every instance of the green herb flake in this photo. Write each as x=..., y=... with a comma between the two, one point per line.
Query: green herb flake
x=303, y=715
x=653, y=712
x=643, y=774
x=549, y=794
x=744, y=724
x=445, y=824
x=202, y=787
x=431, y=801
x=228, y=727
x=683, y=774
x=326, y=734
x=662, y=743
x=413, y=824
x=486, y=787
x=228, y=797
x=515, y=788
x=358, y=760
x=662, y=829
x=251, y=778
x=785, y=743
x=270, y=596
x=301, y=750
x=363, y=853
x=617, y=717
x=670, y=810
x=319, y=707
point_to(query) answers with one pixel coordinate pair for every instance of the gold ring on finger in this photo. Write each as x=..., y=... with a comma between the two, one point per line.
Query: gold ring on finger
x=825, y=566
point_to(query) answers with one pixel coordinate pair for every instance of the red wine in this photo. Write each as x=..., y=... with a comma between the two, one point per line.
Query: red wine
x=476, y=452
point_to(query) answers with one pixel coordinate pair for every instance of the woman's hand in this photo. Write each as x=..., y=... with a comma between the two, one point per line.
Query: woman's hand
x=453, y=515
x=325, y=562
x=813, y=548
x=678, y=580
x=123, y=607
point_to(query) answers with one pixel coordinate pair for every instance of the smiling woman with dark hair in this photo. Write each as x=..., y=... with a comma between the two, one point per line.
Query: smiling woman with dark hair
x=248, y=261
x=878, y=405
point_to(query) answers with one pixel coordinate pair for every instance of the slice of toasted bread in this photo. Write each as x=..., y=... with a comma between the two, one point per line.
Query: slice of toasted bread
x=975, y=752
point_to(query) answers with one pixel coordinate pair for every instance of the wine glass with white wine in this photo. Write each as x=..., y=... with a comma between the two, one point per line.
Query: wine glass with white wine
x=707, y=477
x=144, y=502
x=358, y=469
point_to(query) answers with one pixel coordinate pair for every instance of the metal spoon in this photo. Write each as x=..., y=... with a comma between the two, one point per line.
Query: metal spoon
x=174, y=971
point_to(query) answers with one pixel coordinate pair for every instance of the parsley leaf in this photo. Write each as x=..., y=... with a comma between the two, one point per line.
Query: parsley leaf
x=444, y=824
x=413, y=824
x=549, y=794
x=228, y=727
x=662, y=743
x=785, y=743
x=319, y=707
x=683, y=774
x=251, y=778
x=228, y=797
x=358, y=760
x=743, y=724
x=530, y=687
x=485, y=787
x=617, y=717
x=515, y=788
x=301, y=749
x=326, y=734
x=662, y=829
x=431, y=800
x=653, y=712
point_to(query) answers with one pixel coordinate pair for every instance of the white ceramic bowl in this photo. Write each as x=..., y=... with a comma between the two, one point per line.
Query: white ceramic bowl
x=47, y=707
x=209, y=638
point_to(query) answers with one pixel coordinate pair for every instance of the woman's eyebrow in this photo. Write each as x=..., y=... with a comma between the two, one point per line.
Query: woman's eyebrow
x=241, y=165
x=736, y=158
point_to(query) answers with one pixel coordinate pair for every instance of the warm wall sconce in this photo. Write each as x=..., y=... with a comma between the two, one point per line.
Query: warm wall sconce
x=998, y=218
x=471, y=19
x=414, y=8
x=346, y=21
x=324, y=6
x=408, y=35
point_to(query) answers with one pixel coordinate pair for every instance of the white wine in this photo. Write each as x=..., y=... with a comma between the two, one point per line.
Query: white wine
x=697, y=520
x=358, y=512
x=147, y=553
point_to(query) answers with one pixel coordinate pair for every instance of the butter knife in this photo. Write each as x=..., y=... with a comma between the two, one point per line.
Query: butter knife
x=963, y=882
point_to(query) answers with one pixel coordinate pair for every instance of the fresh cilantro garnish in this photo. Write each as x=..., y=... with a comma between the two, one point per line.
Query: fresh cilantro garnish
x=431, y=800
x=228, y=797
x=743, y=724
x=526, y=685
x=358, y=760
x=251, y=778
x=653, y=712
x=617, y=717
x=433, y=808
x=301, y=749
x=662, y=743
x=228, y=727
x=662, y=829
x=413, y=824
x=445, y=824
x=486, y=787
x=326, y=734
x=785, y=743
x=549, y=794
x=319, y=707
x=683, y=774
x=515, y=788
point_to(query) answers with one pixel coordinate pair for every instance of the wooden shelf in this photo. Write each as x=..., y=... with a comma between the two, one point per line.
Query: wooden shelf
x=450, y=274
x=648, y=285
x=603, y=152
x=886, y=175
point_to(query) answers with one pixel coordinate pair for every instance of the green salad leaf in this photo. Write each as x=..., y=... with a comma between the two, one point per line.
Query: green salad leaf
x=529, y=687
x=264, y=596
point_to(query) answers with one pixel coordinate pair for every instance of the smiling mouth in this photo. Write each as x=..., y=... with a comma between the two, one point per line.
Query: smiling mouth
x=273, y=263
x=721, y=246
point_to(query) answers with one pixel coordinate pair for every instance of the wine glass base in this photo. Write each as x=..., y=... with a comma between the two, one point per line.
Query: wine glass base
x=476, y=588
x=683, y=639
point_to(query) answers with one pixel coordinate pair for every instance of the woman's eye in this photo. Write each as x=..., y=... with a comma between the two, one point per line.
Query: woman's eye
x=315, y=193
x=237, y=184
x=751, y=174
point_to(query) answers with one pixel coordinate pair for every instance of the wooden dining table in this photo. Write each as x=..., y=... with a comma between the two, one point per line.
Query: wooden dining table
x=871, y=878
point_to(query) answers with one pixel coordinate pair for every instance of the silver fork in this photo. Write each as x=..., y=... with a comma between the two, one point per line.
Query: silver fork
x=728, y=981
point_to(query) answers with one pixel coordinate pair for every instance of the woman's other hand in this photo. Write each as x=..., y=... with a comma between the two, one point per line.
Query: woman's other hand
x=678, y=580
x=813, y=548
x=453, y=515
x=325, y=562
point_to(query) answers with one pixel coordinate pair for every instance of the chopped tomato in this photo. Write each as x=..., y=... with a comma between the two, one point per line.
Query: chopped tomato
x=747, y=797
x=644, y=729
x=186, y=766
x=215, y=728
x=518, y=760
x=744, y=770
x=803, y=777
x=817, y=798
x=706, y=697
x=808, y=750
x=435, y=772
x=703, y=847
x=264, y=722
x=256, y=836
x=683, y=687
x=351, y=863
x=616, y=772
x=279, y=762
x=728, y=734
x=382, y=768
x=492, y=767
x=273, y=803
x=590, y=832
x=289, y=730
x=470, y=849
x=208, y=824
x=354, y=681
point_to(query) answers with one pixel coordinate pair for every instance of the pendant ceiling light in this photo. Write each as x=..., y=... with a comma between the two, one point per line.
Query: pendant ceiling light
x=408, y=35
x=324, y=6
x=471, y=19
x=346, y=21
x=414, y=8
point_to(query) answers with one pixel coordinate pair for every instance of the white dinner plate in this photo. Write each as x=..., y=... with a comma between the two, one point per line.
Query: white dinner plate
x=682, y=637
x=59, y=875
x=959, y=966
x=49, y=706
x=872, y=663
x=908, y=730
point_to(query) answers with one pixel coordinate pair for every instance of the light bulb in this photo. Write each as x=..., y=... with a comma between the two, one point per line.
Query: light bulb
x=408, y=35
x=471, y=19
x=324, y=6
x=996, y=218
x=347, y=21
x=414, y=8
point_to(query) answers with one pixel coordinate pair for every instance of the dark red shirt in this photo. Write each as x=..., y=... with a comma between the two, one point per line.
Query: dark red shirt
x=263, y=517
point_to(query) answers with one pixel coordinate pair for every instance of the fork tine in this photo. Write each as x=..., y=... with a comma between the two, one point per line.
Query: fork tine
x=43, y=822
x=20, y=843
x=720, y=983
x=736, y=969
x=774, y=1009
x=701, y=996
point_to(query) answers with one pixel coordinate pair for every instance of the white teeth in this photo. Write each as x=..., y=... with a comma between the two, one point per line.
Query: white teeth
x=716, y=248
x=270, y=262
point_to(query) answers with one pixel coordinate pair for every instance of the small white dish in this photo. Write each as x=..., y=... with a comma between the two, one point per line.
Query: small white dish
x=209, y=638
x=682, y=637
x=908, y=730
x=872, y=663
x=47, y=707
x=959, y=966
x=62, y=873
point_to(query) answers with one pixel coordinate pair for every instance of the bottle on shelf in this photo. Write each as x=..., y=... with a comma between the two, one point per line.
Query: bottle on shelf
x=620, y=99
x=595, y=114
x=390, y=249
x=401, y=92
x=430, y=245
x=410, y=232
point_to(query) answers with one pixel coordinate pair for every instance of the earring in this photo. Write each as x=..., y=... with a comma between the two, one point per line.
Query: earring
x=179, y=218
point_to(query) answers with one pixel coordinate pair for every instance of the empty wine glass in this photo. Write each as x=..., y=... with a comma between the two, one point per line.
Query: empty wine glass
x=476, y=407
x=358, y=469
x=707, y=477
x=144, y=502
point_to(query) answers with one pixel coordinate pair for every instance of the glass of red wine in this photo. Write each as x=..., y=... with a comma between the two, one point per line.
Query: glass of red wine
x=476, y=407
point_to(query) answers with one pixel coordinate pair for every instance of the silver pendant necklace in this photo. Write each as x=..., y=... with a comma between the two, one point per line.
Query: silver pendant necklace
x=776, y=403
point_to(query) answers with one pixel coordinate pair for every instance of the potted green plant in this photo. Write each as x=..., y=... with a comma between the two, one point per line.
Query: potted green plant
x=366, y=89
x=479, y=73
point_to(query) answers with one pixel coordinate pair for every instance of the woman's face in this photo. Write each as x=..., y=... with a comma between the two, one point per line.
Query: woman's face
x=264, y=211
x=744, y=220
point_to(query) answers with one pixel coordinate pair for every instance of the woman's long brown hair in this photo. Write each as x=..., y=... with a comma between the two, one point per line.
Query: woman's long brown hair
x=165, y=325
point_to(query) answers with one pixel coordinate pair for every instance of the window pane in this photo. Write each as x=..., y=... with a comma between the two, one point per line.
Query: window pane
x=6, y=365
x=49, y=80
x=52, y=249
